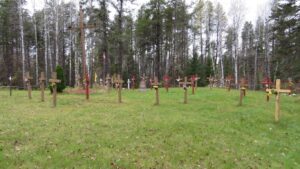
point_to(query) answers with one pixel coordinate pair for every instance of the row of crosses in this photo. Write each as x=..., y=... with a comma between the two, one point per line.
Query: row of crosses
x=53, y=81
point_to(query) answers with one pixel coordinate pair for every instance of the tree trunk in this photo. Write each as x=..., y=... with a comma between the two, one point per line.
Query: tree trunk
x=22, y=40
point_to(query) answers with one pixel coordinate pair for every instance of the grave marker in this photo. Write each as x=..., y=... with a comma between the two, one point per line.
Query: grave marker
x=28, y=78
x=211, y=81
x=143, y=83
x=118, y=83
x=267, y=85
x=128, y=84
x=42, y=86
x=277, y=91
x=54, y=82
x=155, y=85
x=107, y=82
x=133, y=82
x=193, y=79
x=184, y=85
x=166, y=82
x=228, y=81
x=196, y=81
x=243, y=85
x=178, y=80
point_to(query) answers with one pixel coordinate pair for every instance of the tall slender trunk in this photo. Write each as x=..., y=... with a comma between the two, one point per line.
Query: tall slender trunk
x=22, y=39
x=56, y=33
x=46, y=43
x=50, y=52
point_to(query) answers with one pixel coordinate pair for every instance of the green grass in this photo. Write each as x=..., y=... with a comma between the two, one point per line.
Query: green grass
x=211, y=131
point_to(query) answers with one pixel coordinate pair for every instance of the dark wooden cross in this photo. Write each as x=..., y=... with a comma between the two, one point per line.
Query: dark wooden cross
x=243, y=88
x=118, y=83
x=82, y=28
x=228, y=81
x=28, y=79
x=166, y=82
x=155, y=85
x=133, y=82
x=184, y=85
x=54, y=82
x=277, y=91
x=42, y=86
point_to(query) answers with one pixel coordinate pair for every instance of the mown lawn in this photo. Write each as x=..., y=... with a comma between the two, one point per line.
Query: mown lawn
x=211, y=131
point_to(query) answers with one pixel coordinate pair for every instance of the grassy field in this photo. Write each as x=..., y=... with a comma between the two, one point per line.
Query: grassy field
x=211, y=131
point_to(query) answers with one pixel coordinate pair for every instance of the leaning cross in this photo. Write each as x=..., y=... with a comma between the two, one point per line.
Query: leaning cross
x=42, y=86
x=28, y=78
x=155, y=85
x=118, y=83
x=243, y=85
x=184, y=85
x=54, y=82
x=277, y=91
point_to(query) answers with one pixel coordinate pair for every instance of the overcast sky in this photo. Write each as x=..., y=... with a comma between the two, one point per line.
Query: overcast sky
x=253, y=8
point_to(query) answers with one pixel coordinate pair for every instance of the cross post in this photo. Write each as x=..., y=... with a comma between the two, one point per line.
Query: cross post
x=155, y=85
x=118, y=83
x=166, y=82
x=277, y=91
x=243, y=85
x=184, y=85
x=54, y=82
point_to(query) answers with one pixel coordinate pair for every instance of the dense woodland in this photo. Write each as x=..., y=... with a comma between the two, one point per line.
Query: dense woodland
x=166, y=37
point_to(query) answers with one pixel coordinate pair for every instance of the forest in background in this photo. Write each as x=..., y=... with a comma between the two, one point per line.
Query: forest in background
x=166, y=37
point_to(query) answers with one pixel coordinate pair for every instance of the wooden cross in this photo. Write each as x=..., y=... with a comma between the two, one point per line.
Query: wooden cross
x=54, y=82
x=267, y=84
x=28, y=78
x=118, y=83
x=278, y=91
x=184, y=85
x=42, y=86
x=155, y=85
x=243, y=87
x=166, y=82
x=82, y=28
x=133, y=82
x=211, y=81
x=193, y=79
x=228, y=81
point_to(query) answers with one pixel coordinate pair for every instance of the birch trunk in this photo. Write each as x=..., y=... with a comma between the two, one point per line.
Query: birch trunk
x=56, y=33
x=22, y=39
x=36, y=47
x=46, y=43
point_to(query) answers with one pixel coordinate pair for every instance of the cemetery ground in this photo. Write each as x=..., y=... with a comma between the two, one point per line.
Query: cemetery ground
x=211, y=131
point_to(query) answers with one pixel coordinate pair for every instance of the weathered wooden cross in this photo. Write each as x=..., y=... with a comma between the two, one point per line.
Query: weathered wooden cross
x=267, y=85
x=42, y=86
x=166, y=82
x=193, y=81
x=28, y=78
x=155, y=85
x=133, y=82
x=184, y=85
x=228, y=81
x=243, y=88
x=54, y=82
x=277, y=91
x=211, y=81
x=118, y=83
